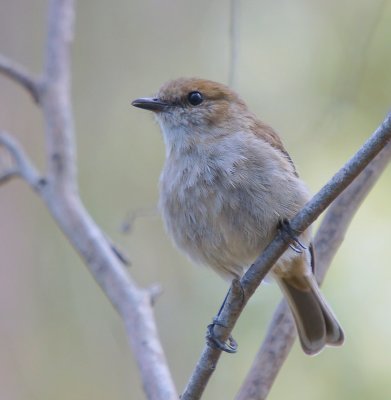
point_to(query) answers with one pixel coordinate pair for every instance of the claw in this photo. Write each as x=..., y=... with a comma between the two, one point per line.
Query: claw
x=296, y=249
x=297, y=241
x=230, y=345
x=213, y=341
x=296, y=246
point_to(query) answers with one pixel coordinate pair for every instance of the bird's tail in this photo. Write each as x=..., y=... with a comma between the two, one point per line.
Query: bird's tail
x=315, y=322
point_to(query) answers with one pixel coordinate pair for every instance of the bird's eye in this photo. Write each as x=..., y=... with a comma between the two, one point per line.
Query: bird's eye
x=195, y=98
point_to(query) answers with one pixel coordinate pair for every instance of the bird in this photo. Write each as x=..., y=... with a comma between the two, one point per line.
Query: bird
x=226, y=186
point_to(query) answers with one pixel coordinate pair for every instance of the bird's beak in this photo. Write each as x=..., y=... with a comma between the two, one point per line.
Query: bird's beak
x=150, y=103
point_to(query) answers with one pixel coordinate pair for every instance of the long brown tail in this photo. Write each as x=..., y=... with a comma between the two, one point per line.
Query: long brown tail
x=315, y=322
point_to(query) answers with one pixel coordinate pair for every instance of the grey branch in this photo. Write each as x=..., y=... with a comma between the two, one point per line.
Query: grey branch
x=281, y=332
x=23, y=167
x=56, y=98
x=237, y=300
x=20, y=75
x=59, y=191
x=8, y=174
x=62, y=199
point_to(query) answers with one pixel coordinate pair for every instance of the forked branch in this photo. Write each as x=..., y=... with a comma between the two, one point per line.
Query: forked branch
x=59, y=191
x=22, y=166
x=20, y=75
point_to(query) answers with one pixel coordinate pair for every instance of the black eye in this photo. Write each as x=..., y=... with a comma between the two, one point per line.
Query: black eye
x=195, y=98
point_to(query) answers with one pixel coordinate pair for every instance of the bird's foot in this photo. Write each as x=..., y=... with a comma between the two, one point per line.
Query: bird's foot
x=229, y=346
x=285, y=226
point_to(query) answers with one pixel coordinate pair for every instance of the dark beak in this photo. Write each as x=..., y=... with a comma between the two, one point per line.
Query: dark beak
x=149, y=103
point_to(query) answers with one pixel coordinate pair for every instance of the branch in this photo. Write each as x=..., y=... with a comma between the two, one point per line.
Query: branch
x=257, y=272
x=20, y=75
x=59, y=191
x=56, y=98
x=63, y=201
x=8, y=175
x=23, y=166
x=281, y=332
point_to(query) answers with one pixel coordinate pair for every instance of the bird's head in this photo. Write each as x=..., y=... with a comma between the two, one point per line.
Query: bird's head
x=191, y=109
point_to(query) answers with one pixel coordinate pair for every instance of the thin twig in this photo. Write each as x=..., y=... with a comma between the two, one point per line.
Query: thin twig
x=20, y=75
x=281, y=332
x=23, y=166
x=257, y=272
x=7, y=175
x=128, y=222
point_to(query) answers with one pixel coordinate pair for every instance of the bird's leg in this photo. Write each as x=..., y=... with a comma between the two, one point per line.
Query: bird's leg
x=285, y=227
x=212, y=339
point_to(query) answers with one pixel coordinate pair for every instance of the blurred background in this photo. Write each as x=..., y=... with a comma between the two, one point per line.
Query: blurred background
x=318, y=72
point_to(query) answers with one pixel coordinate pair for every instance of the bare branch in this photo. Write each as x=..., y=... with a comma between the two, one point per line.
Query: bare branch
x=155, y=291
x=56, y=99
x=20, y=75
x=60, y=193
x=281, y=332
x=128, y=222
x=62, y=199
x=23, y=166
x=8, y=175
x=257, y=272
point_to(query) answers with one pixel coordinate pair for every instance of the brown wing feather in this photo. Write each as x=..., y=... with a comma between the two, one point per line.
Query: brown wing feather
x=271, y=137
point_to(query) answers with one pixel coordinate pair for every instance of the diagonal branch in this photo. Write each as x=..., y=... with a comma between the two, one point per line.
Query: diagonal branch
x=23, y=166
x=281, y=332
x=20, y=75
x=257, y=272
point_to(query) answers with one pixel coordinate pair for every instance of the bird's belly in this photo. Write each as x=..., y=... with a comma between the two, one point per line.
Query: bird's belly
x=214, y=227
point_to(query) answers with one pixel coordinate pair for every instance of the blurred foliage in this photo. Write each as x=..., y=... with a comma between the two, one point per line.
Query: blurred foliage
x=319, y=72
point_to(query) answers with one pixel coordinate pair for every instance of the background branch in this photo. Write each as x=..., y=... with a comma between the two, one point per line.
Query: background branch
x=5, y=176
x=56, y=99
x=59, y=191
x=237, y=300
x=281, y=333
x=23, y=166
x=20, y=75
